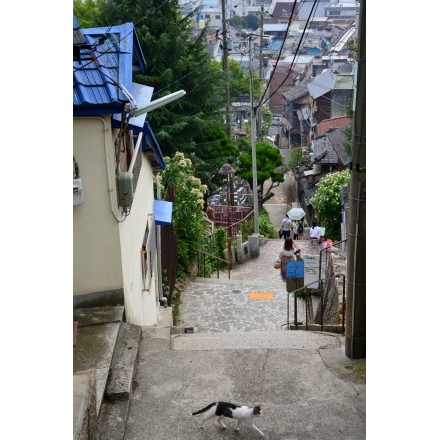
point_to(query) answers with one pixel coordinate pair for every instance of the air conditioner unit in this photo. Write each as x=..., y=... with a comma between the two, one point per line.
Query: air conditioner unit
x=125, y=189
x=78, y=197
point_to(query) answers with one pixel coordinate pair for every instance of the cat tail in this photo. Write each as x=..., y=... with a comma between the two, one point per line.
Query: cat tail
x=204, y=409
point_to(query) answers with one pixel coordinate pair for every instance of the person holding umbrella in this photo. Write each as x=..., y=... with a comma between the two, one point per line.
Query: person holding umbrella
x=297, y=215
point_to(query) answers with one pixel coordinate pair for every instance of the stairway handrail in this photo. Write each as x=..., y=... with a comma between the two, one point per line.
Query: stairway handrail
x=215, y=257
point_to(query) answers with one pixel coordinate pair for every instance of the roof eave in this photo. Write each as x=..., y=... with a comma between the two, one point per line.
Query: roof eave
x=94, y=110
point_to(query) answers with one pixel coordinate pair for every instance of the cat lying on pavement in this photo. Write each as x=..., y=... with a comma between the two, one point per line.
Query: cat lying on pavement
x=242, y=414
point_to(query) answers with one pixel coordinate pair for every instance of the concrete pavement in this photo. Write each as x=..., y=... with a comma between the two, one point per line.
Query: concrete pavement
x=240, y=352
x=306, y=386
x=223, y=305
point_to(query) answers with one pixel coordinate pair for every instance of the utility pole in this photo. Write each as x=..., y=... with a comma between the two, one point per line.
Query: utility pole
x=260, y=77
x=225, y=69
x=253, y=145
x=355, y=336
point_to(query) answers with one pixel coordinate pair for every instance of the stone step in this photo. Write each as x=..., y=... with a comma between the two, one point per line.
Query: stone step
x=123, y=365
x=106, y=355
x=84, y=406
x=114, y=408
x=96, y=334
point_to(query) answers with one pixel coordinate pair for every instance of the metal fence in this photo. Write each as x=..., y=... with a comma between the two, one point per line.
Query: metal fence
x=231, y=217
x=313, y=320
x=323, y=308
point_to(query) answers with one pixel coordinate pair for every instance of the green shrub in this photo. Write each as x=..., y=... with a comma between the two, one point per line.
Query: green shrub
x=327, y=201
x=266, y=227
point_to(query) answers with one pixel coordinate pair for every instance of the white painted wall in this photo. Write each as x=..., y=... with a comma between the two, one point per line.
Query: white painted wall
x=107, y=252
x=96, y=245
x=140, y=305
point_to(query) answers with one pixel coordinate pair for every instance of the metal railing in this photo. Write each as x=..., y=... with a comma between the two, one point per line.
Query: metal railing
x=236, y=228
x=307, y=298
x=202, y=259
x=232, y=217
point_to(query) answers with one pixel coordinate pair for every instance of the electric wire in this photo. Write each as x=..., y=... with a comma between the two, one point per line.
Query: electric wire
x=263, y=100
x=312, y=12
x=101, y=41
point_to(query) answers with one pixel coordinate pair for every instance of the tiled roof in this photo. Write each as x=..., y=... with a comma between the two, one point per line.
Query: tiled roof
x=298, y=91
x=327, y=124
x=323, y=151
x=337, y=139
x=283, y=9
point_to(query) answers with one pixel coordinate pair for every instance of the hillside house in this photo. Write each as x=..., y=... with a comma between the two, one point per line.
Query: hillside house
x=116, y=219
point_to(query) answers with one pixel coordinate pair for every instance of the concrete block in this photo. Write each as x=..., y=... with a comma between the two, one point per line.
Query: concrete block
x=84, y=406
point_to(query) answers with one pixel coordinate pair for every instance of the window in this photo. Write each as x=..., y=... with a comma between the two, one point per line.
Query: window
x=148, y=255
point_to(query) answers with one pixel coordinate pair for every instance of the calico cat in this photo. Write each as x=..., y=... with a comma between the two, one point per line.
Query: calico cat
x=242, y=414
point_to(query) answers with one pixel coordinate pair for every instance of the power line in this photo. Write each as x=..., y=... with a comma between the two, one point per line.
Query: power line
x=312, y=12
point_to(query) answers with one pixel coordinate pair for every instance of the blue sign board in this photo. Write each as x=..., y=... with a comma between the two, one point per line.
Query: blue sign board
x=295, y=269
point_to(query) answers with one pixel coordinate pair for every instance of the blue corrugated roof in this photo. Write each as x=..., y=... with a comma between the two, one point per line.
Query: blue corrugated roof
x=103, y=79
x=99, y=74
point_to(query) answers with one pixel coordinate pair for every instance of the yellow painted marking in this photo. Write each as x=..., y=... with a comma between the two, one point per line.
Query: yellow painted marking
x=261, y=295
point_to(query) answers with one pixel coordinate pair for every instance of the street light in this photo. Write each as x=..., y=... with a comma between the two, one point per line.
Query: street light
x=228, y=171
x=157, y=103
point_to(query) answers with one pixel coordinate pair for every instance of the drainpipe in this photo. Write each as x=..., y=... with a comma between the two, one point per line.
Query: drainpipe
x=109, y=179
x=159, y=251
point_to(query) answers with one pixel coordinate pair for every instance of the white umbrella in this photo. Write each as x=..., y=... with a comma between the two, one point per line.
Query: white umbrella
x=296, y=214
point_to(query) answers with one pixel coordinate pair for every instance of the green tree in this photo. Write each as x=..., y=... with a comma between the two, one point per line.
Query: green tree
x=85, y=11
x=266, y=227
x=348, y=134
x=237, y=22
x=210, y=152
x=353, y=48
x=238, y=80
x=327, y=201
x=252, y=21
x=248, y=22
x=188, y=215
x=268, y=164
x=266, y=119
x=296, y=157
x=175, y=61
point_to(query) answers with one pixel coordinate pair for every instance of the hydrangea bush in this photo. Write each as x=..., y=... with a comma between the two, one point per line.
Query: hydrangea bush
x=327, y=201
x=188, y=216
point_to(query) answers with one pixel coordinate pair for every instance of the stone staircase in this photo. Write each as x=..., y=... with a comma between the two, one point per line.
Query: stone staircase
x=105, y=359
x=106, y=347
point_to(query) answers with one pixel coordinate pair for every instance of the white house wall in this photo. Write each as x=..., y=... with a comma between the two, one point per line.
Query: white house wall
x=140, y=305
x=107, y=252
x=96, y=245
